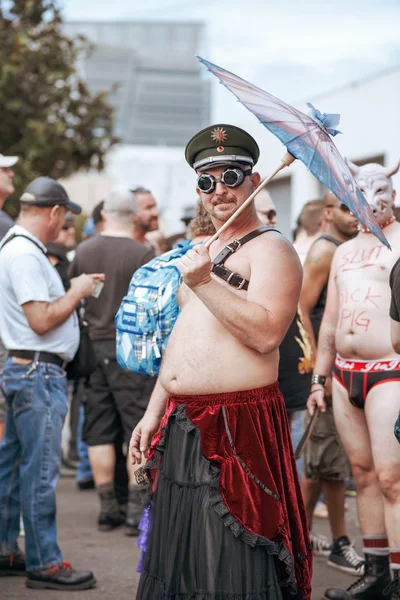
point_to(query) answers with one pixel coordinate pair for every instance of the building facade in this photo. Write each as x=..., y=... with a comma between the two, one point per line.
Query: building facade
x=157, y=87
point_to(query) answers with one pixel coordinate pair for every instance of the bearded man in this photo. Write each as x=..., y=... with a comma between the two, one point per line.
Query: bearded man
x=354, y=341
x=228, y=519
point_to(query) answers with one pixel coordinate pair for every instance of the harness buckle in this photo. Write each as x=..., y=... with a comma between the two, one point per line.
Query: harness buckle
x=241, y=282
x=234, y=246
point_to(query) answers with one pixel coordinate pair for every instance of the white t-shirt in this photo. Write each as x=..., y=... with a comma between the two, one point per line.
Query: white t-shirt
x=26, y=275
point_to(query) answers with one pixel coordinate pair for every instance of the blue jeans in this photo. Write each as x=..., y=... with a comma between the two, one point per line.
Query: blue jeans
x=84, y=471
x=30, y=458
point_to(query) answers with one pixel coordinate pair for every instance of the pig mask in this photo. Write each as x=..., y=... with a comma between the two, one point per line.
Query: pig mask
x=376, y=185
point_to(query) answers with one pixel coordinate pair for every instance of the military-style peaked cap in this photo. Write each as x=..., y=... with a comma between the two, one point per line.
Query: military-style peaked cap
x=219, y=145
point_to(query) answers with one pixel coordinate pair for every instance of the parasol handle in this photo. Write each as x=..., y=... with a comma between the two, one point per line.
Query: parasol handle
x=286, y=161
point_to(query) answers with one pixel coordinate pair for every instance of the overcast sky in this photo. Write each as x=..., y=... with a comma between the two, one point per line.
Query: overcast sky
x=293, y=48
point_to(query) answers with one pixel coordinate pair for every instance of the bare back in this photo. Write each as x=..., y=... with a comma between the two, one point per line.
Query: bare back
x=203, y=357
x=362, y=268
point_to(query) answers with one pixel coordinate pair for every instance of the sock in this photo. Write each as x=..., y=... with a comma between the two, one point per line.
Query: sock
x=395, y=559
x=378, y=545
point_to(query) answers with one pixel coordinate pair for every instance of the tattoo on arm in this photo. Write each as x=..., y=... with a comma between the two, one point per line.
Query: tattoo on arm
x=327, y=335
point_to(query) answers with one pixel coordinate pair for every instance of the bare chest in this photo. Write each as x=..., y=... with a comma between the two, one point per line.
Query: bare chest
x=362, y=280
x=237, y=264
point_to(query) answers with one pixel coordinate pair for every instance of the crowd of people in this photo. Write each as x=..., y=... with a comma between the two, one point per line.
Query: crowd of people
x=268, y=332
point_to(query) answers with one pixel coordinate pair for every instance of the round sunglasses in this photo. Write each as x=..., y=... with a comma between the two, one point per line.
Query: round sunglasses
x=230, y=177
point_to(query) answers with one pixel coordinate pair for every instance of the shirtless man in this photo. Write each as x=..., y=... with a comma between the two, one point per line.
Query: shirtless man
x=366, y=384
x=325, y=461
x=227, y=517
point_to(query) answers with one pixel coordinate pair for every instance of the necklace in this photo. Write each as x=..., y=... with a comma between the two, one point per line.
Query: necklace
x=385, y=224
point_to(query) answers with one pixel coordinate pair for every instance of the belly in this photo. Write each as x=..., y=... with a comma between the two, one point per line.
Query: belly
x=363, y=329
x=202, y=357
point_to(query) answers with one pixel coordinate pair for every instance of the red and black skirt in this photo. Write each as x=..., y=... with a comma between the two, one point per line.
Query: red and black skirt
x=227, y=518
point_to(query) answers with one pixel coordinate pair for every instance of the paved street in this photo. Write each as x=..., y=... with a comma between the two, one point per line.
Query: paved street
x=113, y=556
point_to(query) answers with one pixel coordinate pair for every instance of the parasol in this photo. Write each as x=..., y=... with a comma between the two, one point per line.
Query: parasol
x=306, y=137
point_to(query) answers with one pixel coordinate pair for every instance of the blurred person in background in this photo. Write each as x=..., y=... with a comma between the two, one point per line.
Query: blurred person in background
x=157, y=241
x=308, y=227
x=6, y=222
x=325, y=463
x=89, y=228
x=266, y=209
x=97, y=217
x=146, y=219
x=115, y=399
x=41, y=333
x=57, y=251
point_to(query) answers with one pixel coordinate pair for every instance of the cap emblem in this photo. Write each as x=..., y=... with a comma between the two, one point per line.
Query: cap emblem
x=220, y=149
x=219, y=135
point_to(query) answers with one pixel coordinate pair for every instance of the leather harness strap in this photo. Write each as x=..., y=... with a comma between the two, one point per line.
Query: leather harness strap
x=218, y=267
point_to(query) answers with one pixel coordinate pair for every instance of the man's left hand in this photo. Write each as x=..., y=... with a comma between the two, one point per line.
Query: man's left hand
x=195, y=267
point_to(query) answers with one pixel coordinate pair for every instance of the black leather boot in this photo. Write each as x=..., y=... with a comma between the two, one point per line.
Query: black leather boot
x=110, y=514
x=13, y=564
x=134, y=512
x=393, y=590
x=371, y=586
x=60, y=577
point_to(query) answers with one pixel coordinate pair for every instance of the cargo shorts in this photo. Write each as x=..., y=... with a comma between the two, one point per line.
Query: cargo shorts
x=324, y=455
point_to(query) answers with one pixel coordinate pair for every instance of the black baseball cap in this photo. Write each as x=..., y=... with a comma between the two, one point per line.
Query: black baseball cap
x=45, y=191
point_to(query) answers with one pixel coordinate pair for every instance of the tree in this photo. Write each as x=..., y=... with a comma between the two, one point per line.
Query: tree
x=48, y=116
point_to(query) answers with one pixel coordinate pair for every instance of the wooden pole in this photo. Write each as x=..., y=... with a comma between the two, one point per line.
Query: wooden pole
x=286, y=161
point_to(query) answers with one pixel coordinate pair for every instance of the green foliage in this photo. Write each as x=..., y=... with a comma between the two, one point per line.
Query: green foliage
x=48, y=115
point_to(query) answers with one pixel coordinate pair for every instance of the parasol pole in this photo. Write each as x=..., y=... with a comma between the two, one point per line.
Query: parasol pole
x=286, y=161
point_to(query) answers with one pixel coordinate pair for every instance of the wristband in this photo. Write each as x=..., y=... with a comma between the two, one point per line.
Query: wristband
x=318, y=380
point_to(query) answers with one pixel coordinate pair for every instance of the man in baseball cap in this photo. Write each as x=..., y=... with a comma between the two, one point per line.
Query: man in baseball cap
x=6, y=189
x=46, y=192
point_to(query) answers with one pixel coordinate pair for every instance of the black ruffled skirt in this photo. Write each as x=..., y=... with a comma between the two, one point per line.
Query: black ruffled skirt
x=193, y=553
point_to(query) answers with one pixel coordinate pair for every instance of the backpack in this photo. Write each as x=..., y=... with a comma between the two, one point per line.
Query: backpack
x=148, y=312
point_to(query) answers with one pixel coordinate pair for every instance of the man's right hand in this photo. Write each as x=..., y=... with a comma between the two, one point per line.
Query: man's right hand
x=83, y=285
x=316, y=399
x=142, y=436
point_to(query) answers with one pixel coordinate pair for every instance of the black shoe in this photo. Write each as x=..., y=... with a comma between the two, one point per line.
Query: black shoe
x=320, y=544
x=107, y=522
x=110, y=515
x=60, y=577
x=392, y=592
x=371, y=586
x=345, y=558
x=13, y=564
x=134, y=512
x=86, y=484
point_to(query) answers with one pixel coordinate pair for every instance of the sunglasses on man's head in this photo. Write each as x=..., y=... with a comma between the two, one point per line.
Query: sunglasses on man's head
x=230, y=177
x=342, y=207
